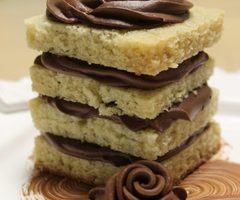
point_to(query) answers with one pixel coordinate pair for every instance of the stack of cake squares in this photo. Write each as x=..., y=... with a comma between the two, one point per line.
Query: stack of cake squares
x=110, y=97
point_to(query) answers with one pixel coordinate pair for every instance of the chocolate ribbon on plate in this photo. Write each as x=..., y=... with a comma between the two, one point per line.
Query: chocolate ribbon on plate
x=141, y=180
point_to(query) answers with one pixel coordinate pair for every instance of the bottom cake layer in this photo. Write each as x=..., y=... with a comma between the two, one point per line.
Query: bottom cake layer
x=47, y=157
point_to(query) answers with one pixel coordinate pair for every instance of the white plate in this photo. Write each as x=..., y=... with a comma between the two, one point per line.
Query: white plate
x=17, y=133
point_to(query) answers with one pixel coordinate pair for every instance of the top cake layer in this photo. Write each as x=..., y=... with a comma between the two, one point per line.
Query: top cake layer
x=147, y=51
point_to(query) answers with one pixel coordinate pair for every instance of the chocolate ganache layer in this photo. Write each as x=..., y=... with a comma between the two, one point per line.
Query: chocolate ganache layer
x=88, y=151
x=118, y=78
x=186, y=110
x=125, y=14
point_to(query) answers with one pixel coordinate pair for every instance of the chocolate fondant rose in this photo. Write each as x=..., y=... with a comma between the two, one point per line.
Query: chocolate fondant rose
x=130, y=14
x=141, y=180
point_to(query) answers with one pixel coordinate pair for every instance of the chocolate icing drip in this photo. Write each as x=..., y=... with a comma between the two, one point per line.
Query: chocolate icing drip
x=94, y=152
x=118, y=78
x=128, y=14
x=141, y=180
x=215, y=180
x=186, y=110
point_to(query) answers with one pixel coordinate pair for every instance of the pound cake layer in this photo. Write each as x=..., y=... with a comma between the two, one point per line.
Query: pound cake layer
x=141, y=51
x=116, y=100
x=148, y=143
x=47, y=157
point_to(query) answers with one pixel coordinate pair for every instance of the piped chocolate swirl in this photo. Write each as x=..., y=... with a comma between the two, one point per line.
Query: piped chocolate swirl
x=117, y=78
x=186, y=110
x=117, y=14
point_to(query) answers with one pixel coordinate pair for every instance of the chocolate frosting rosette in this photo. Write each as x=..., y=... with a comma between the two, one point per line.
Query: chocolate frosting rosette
x=141, y=180
x=120, y=14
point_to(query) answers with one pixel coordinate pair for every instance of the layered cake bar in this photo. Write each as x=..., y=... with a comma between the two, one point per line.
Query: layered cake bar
x=123, y=81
